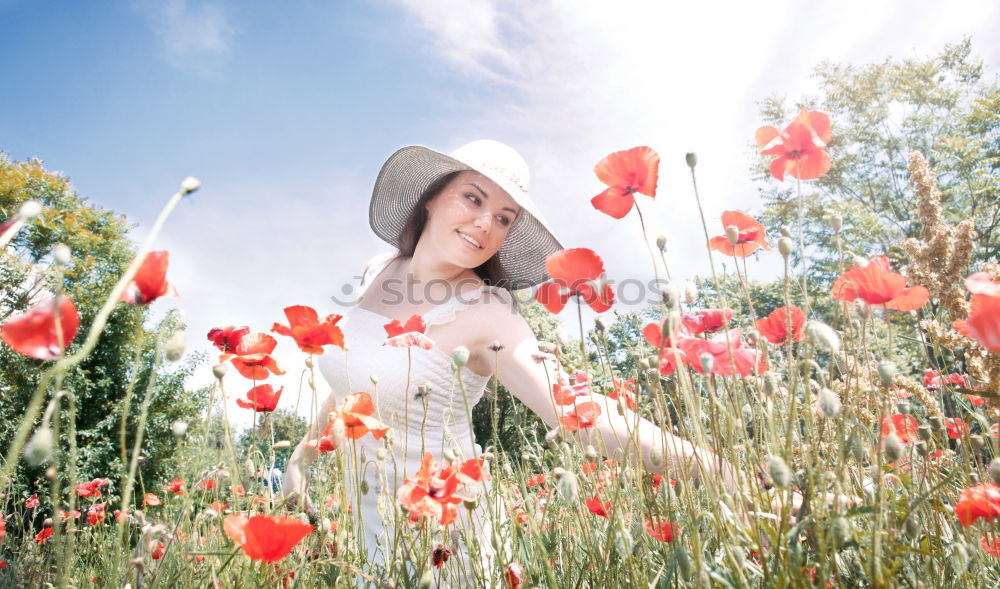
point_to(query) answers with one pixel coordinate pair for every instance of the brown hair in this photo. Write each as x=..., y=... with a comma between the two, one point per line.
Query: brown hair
x=491, y=271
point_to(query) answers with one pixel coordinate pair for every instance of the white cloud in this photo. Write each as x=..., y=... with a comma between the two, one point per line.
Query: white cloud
x=196, y=37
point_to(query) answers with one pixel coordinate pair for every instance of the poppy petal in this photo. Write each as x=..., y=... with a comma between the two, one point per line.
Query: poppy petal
x=614, y=201
x=34, y=332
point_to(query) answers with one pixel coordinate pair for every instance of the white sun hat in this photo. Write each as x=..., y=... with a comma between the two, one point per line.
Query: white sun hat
x=409, y=172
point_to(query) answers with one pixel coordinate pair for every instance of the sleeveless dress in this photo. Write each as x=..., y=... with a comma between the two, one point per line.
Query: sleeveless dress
x=435, y=423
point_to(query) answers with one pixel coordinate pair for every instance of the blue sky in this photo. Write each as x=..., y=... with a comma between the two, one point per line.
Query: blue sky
x=286, y=111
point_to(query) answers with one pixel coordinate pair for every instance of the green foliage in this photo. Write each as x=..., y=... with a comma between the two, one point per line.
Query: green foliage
x=127, y=354
x=941, y=106
x=278, y=425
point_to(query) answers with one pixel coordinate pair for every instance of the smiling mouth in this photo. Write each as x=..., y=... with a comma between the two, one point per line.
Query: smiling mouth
x=469, y=239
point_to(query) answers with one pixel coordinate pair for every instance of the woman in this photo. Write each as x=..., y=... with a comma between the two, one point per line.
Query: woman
x=466, y=232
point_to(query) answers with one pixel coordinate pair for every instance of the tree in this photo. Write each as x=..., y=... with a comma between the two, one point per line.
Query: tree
x=127, y=355
x=942, y=106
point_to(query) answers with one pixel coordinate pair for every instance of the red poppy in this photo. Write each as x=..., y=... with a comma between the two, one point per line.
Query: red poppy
x=430, y=493
x=308, y=331
x=253, y=357
x=96, y=514
x=151, y=500
x=751, y=235
x=775, y=327
x=625, y=173
x=32, y=502
x=801, y=147
x=206, y=484
x=877, y=284
x=982, y=283
x=238, y=491
x=150, y=281
x=991, y=548
x=574, y=271
x=981, y=501
x=356, y=413
x=75, y=514
x=262, y=537
x=412, y=333
x=653, y=333
x=903, y=426
x=91, y=489
x=597, y=507
x=43, y=535
x=729, y=355
x=158, y=551
x=537, y=479
x=175, y=486
x=261, y=398
x=581, y=416
x=664, y=531
x=983, y=323
x=934, y=379
x=34, y=333
x=218, y=506
x=625, y=390
x=706, y=320
x=227, y=338
x=440, y=556
x=514, y=576
x=956, y=427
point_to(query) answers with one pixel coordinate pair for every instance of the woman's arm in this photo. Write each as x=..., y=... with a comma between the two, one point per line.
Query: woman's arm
x=618, y=432
x=296, y=478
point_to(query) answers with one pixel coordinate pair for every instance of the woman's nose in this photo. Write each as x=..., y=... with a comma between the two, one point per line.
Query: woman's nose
x=484, y=221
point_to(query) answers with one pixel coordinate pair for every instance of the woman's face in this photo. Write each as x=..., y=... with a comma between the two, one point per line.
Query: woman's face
x=468, y=220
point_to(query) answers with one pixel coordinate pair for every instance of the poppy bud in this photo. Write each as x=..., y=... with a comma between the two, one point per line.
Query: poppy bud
x=977, y=441
x=374, y=378
x=733, y=234
x=836, y=221
x=179, y=428
x=364, y=487
x=599, y=324
x=471, y=504
x=50, y=474
x=691, y=158
x=752, y=336
x=785, y=247
x=829, y=403
x=174, y=347
x=822, y=334
x=937, y=422
x=190, y=184
x=690, y=292
x=29, y=210
x=858, y=261
x=449, y=455
x=995, y=470
x=886, y=370
x=309, y=361
x=903, y=407
x=561, y=336
x=62, y=254
x=514, y=575
x=282, y=444
x=546, y=348
x=779, y=471
x=568, y=486
x=590, y=452
x=656, y=456
x=707, y=362
x=623, y=543
x=911, y=527
x=861, y=309
x=922, y=448
x=893, y=447
x=249, y=466
x=312, y=382
x=770, y=383
x=219, y=370
x=496, y=346
x=669, y=295
x=684, y=563
x=426, y=580
x=39, y=447
x=661, y=242
x=924, y=432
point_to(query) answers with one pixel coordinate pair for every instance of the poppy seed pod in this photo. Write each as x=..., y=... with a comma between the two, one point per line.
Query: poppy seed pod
x=924, y=432
x=707, y=362
x=309, y=361
x=690, y=292
x=779, y=471
x=824, y=335
x=893, y=447
x=661, y=242
x=691, y=158
x=496, y=346
x=670, y=296
x=190, y=184
x=770, y=383
x=829, y=403
x=733, y=234
x=785, y=232
x=656, y=456
x=61, y=254
x=911, y=527
x=785, y=246
x=903, y=407
x=886, y=370
x=599, y=324
x=568, y=486
x=977, y=441
x=922, y=448
x=590, y=452
x=937, y=422
x=219, y=370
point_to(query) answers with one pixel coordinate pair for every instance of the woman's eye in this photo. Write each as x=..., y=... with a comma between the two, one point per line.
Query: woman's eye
x=504, y=220
x=475, y=199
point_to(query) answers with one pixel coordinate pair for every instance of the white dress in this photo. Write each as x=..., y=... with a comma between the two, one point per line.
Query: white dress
x=444, y=425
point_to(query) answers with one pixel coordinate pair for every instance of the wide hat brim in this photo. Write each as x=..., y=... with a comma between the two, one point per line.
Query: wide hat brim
x=409, y=172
